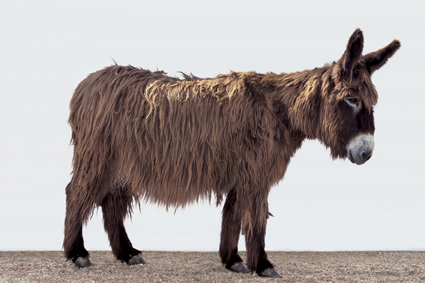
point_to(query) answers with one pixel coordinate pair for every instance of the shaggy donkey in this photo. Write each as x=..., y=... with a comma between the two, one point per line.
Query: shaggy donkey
x=144, y=136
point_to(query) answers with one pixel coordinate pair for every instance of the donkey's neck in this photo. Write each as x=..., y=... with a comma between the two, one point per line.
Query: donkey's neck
x=299, y=95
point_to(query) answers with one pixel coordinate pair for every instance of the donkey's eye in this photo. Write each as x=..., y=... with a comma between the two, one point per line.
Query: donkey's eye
x=353, y=101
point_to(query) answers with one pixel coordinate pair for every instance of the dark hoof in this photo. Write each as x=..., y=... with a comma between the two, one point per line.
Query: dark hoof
x=239, y=267
x=270, y=272
x=136, y=259
x=82, y=262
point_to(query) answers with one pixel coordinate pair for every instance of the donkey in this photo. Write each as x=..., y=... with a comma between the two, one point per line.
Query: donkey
x=144, y=136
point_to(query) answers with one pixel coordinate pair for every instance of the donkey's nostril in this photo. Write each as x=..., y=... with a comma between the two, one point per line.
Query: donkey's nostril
x=366, y=155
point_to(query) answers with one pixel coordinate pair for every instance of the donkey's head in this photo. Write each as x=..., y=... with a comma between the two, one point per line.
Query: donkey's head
x=346, y=122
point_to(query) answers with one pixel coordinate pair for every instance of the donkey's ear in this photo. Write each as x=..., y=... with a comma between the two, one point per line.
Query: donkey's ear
x=353, y=52
x=377, y=59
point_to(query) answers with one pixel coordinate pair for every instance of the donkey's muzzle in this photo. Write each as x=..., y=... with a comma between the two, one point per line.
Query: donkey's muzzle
x=360, y=148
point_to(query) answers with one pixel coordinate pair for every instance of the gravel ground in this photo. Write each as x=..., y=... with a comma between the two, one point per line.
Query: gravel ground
x=50, y=266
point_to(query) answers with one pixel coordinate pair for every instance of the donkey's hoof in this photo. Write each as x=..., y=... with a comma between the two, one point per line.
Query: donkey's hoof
x=136, y=259
x=82, y=262
x=270, y=272
x=239, y=267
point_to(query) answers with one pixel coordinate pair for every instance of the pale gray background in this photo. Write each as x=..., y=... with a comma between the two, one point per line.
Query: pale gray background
x=48, y=47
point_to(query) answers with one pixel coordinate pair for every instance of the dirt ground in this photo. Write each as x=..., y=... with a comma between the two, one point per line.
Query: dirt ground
x=50, y=266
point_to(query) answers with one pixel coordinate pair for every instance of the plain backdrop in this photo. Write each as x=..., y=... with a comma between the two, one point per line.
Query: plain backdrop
x=48, y=47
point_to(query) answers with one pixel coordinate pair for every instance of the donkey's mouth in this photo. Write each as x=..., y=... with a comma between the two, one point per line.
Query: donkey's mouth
x=350, y=156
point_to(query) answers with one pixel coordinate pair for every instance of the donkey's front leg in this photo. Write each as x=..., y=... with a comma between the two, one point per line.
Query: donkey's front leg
x=230, y=231
x=254, y=227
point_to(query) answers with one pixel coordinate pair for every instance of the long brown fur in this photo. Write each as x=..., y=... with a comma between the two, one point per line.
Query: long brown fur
x=175, y=141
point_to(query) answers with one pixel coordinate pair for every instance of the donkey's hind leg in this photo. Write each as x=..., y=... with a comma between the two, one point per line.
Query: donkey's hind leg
x=230, y=231
x=77, y=212
x=115, y=207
